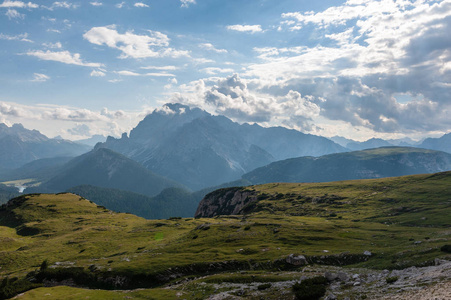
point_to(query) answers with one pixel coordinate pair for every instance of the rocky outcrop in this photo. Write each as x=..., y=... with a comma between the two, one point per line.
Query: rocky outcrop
x=228, y=201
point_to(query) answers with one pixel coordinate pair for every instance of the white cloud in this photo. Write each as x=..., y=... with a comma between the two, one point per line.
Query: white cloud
x=14, y=14
x=127, y=73
x=246, y=28
x=40, y=77
x=80, y=130
x=53, y=30
x=120, y=5
x=163, y=68
x=56, y=45
x=63, y=4
x=232, y=97
x=154, y=44
x=214, y=71
x=130, y=73
x=18, y=4
x=140, y=4
x=360, y=55
x=210, y=47
x=98, y=73
x=187, y=3
x=63, y=57
x=70, y=122
x=202, y=60
x=96, y=3
x=21, y=37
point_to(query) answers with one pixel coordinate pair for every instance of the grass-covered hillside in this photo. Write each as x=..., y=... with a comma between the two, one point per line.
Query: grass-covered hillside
x=69, y=240
x=365, y=164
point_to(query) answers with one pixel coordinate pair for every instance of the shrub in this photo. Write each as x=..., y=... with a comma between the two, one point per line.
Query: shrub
x=446, y=248
x=44, y=265
x=390, y=280
x=310, y=289
x=14, y=286
x=264, y=286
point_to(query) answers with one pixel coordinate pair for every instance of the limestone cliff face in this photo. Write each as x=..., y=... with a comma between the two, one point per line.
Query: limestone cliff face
x=229, y=201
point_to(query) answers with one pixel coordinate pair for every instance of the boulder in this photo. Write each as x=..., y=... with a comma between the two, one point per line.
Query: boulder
x=342, y=276
x=296, y=260
x=330, y=276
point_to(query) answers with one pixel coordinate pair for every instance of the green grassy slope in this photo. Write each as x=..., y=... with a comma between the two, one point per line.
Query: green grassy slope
x=365, y=164
x=388, y=217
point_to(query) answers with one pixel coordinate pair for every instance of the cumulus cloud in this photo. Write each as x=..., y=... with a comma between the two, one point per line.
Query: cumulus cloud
x=232, y=97
x=80, y=130
x=245, y=28
x=140, y=4
x=153, y=44
x=40, y=77
x=363, y=53
x=210, y=47
x=98, y=73
x=18, y=4
x=8, y=109
x=187, y=3
x=20, y=37
x=62, y=4
x=96, y=3
x=14, y=14
x=62, y=56
x=55, y=120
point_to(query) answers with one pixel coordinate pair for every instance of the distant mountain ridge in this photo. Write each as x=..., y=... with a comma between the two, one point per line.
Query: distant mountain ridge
x=442, y=143
x=200, y=150
x=365, y=164
x=106, y=168
x=19, y=146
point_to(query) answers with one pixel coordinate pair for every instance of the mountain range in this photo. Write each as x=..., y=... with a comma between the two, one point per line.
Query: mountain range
x=19, y=146
x=199, y=150
x=105, y=168
x=365, y=164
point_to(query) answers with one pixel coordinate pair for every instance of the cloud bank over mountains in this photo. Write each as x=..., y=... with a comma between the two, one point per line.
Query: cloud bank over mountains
x=379, y=52
x=360, y=68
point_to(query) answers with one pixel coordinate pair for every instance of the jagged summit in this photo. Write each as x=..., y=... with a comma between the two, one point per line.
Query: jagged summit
x=195, y=148
x=19, y=146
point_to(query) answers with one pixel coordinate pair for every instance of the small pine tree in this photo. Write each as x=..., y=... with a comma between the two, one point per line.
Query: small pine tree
x=44, y=265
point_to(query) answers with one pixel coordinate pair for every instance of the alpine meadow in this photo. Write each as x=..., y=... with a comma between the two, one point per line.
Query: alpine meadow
x=225, y=150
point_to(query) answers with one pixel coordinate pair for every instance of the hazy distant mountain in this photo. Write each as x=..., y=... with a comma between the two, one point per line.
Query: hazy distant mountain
x=442, y=143
x=171, y=202
x=341, y=140
x=40, y=169
x=404, y=142
x=93, y=140
x=199, y=150
x=372, y=163
x=106, y=168
x=369, y=144
x=372, y=143
x=19, y=146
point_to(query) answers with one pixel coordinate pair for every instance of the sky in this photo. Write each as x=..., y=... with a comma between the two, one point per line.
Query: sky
x=358, y=68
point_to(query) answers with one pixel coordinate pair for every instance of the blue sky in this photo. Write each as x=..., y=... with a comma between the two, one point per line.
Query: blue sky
x=355, y=68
